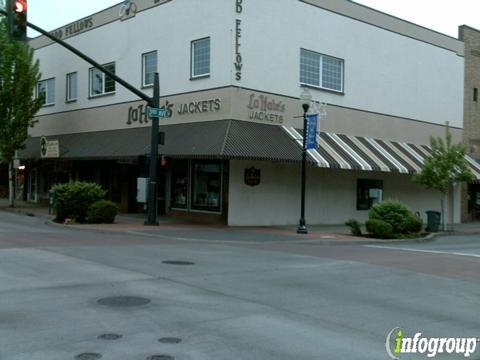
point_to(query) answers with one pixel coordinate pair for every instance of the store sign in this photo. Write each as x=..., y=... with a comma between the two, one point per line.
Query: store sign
x=139, y=114
x=265, y=108
x=74, y=29
x=49, y=148
x=252, y=176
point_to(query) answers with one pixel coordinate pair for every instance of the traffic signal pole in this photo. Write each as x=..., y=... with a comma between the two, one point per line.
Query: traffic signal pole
x=152, y=102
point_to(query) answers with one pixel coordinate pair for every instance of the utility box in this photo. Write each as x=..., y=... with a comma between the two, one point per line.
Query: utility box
x=142, y=186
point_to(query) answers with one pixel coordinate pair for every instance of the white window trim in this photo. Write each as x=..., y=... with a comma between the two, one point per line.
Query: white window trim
x=37, y=92
x=192, y=59
x=144, y=56
x=67, y=95
x=320, y=87
x=90, y=82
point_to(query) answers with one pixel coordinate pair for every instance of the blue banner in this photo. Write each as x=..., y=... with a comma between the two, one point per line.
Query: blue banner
x=311, y=132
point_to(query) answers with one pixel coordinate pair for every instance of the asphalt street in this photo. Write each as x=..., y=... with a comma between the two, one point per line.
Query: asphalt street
x=236, y=294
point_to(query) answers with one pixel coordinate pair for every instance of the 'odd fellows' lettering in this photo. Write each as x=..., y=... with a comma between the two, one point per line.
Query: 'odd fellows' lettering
x=238, y=34
x=264, y=108
x=74, y=28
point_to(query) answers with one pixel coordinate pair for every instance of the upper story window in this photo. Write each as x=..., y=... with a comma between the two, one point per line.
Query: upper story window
x=101, y=84
x=322, y=71
x=149, y=68
x=71, y=87
x=47, y=89
x=200, y=58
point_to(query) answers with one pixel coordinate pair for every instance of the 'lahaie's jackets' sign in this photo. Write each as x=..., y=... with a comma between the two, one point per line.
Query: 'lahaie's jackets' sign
x=140, y=113
x=265, y=108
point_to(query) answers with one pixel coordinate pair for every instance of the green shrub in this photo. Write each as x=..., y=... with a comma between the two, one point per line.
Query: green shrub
x=379, y=229
x=354, y=226
x=392, y=212
x=413, y=225
x=102, y=212
x=73, y=199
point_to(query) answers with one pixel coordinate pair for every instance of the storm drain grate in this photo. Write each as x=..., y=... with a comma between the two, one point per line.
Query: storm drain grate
x=177, y=262
x=123, y=301
x=110, y=336
x=161, y=357
x=170, y=340
x=88, y=356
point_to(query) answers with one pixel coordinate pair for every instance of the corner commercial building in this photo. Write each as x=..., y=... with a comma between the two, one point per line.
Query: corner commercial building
x=231, y=83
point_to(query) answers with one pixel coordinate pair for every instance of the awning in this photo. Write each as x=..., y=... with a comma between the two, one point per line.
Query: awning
x=349, y=152
x=235, y=139
x=222, y=139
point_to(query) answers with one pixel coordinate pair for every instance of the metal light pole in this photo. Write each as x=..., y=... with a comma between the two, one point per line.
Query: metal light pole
x=152, y=181
x=306, y=99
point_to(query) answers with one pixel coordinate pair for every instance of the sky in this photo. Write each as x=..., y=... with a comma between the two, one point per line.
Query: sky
x=440, y=15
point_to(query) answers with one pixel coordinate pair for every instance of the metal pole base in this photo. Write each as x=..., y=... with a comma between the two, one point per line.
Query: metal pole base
x=146, y=223
x=302, y=228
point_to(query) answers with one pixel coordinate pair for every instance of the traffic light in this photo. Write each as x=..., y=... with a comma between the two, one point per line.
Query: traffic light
x=17, y=12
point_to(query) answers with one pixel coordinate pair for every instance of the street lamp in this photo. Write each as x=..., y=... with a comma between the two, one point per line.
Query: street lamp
x=305, y=99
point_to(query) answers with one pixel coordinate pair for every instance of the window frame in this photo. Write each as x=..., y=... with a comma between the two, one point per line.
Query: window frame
x=192, y=61
x=46, y=81
x=104, y=77
x=69, y=99
x=320, y=80
x=144, y=55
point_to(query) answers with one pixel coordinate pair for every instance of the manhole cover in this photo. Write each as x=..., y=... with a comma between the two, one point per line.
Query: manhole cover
x=160, y=357
x=170, y=340
x=123, y=301
x=110, y=336
x=177, y=262
x=88, y=356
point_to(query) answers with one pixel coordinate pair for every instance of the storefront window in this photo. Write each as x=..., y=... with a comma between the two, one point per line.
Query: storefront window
x=180, y=185
x=206, y=185
x=369, y=192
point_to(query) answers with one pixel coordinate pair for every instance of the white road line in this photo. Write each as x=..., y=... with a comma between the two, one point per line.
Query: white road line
x=423, y=251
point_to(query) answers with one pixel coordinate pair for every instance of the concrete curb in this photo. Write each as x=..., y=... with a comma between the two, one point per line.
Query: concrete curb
x=328, y=242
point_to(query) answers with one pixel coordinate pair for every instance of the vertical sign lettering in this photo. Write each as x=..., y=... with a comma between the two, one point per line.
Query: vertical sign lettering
x=238, y=34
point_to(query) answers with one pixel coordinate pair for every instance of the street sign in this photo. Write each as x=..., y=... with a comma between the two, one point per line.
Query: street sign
x=311, y=132
x=161, y=113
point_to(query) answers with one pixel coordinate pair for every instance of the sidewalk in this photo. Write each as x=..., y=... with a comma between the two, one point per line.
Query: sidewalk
x=134, y=223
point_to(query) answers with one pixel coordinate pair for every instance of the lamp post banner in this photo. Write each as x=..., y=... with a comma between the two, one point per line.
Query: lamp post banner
x=311, y=132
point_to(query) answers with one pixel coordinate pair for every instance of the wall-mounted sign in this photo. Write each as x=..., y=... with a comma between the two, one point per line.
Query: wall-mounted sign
x=265, y=108
x=49, y=148
x=238, y=64
x=140, y=113
x=252, y=176
x=73, y=29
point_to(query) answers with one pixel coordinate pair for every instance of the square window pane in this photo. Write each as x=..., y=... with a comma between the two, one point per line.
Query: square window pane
x=109, y=82
x=309, y=67
x=51, y=91
x=96, y=82
x=149, y=67
x=42, y=91
x=201, y=57
x=71, y=86
x=206, y=185
x=332, y=73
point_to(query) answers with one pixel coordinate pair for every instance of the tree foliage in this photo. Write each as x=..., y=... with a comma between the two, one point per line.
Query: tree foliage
x=446, y=165
x=19, y=74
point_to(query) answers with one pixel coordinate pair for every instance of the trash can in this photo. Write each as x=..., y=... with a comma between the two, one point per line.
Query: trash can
x=433, y=220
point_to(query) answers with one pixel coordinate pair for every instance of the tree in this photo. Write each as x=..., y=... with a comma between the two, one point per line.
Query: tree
x=444, y=168
x=19, y=74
